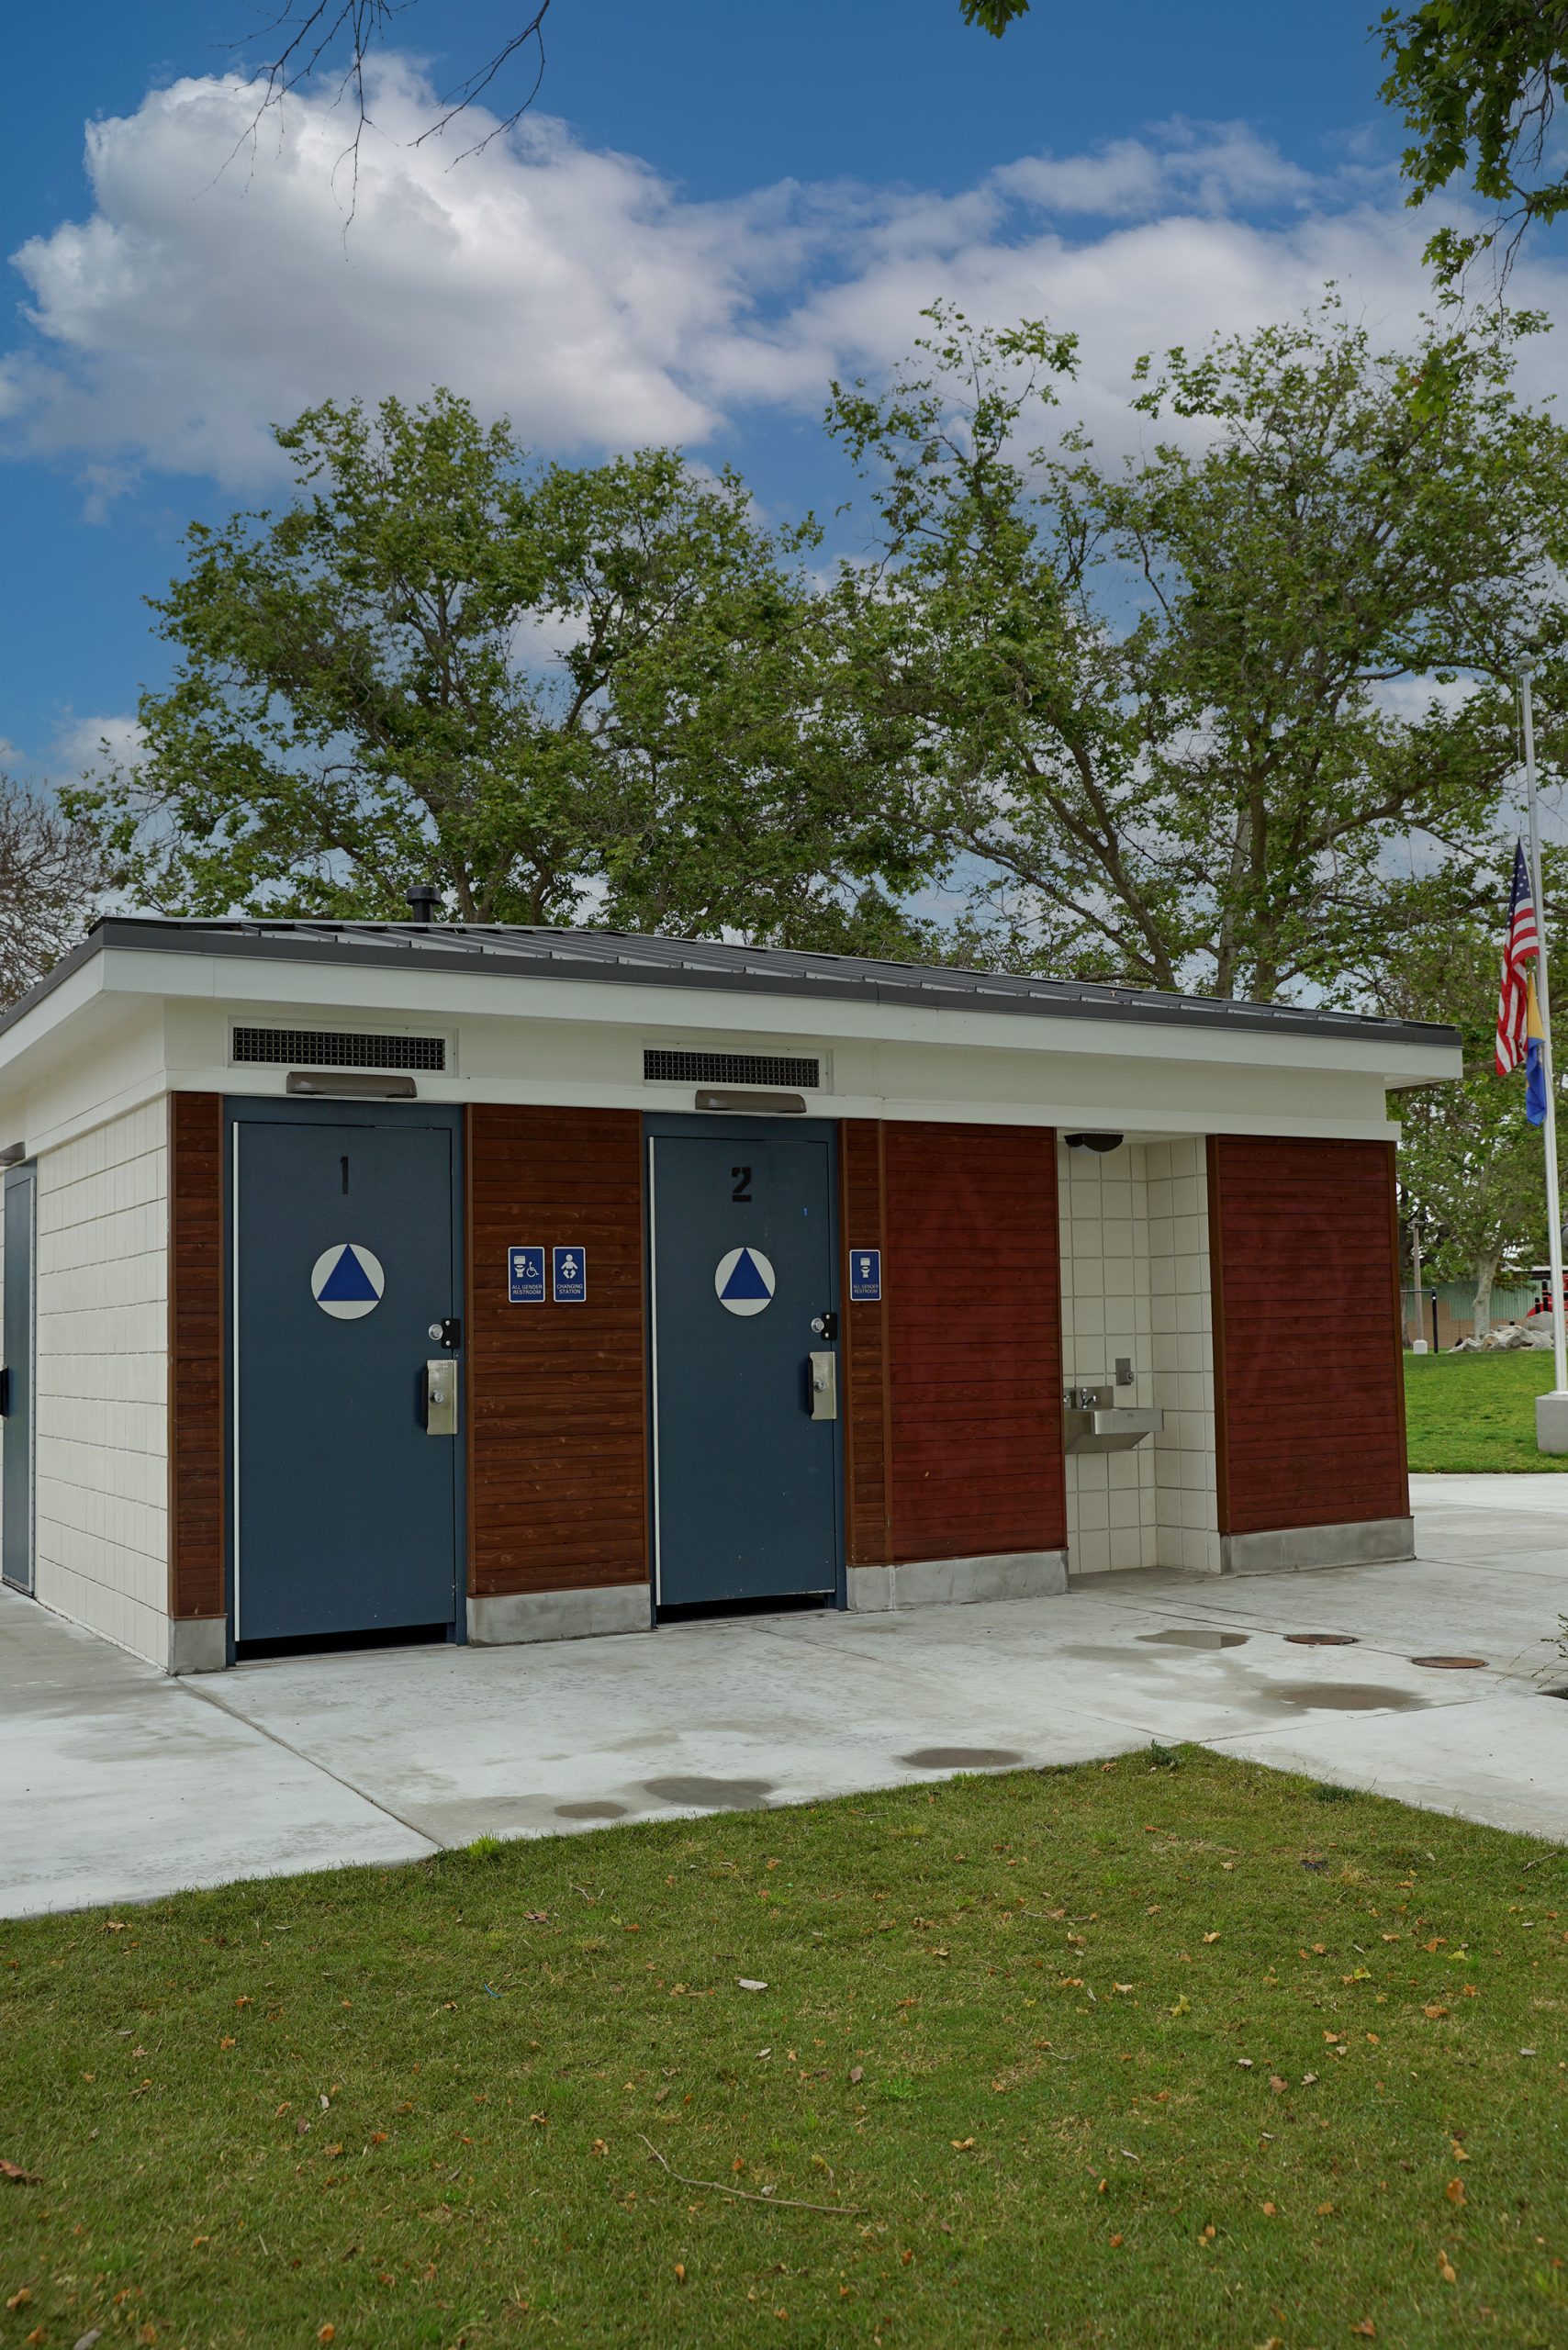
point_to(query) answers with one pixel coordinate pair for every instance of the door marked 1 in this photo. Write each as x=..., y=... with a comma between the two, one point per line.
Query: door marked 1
x=744, y=1280
x=347, y=1280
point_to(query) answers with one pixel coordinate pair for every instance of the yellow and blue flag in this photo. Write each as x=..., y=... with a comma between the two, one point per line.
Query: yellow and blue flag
x=1535, y=1060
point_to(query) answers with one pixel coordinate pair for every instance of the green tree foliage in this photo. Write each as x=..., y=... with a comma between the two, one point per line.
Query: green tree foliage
x=1471, y=1171
x=1479, y=82
x=555, y=691
x=1175, y=721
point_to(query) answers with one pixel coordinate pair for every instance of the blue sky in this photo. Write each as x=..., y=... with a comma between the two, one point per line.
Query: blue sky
x=712, y=209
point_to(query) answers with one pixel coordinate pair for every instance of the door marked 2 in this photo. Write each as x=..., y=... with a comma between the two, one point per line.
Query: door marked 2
x=347, y=1280
x=744, y=1280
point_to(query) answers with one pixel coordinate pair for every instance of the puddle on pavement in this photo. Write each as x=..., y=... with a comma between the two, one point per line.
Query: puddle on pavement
x=590, y=1811
x=1343, y=1697
x=713, y=1794
x=1192, y=1639
x=961, y=1758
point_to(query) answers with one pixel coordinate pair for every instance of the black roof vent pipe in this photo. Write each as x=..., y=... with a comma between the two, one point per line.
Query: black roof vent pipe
x=425, y=900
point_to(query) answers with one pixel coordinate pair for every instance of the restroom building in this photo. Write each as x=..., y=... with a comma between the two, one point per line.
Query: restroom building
x=386, y=1281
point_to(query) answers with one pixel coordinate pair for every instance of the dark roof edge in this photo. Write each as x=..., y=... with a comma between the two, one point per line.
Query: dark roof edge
x=152, y=934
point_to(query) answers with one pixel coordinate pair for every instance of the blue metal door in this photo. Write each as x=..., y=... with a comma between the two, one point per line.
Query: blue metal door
x=17, y=1380
x=743, y=1261
x=346, y=1509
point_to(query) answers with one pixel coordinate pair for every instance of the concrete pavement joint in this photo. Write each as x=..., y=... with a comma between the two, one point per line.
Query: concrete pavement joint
x=191, y=1687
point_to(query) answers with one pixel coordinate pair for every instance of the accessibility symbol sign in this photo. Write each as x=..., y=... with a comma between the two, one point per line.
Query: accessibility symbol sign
x=865, y=1276
x=743, y=1281
x=525, y=1276
x=347, y=1280
x=570, y=1276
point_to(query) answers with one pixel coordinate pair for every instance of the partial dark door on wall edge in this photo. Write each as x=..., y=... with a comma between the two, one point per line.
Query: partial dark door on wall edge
x=743, y=1258
x=346, y=1491
x=18, y=1343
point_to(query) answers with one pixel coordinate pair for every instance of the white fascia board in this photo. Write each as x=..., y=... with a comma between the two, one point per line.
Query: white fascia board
x=69, y=1000
x=262, y=1081
x=437, y=995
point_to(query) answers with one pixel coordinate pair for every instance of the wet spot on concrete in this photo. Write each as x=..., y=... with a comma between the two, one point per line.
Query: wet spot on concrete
x=1345, y=1696
x=1322, y=1639
x=1193, y=1639
x=590, y=1811
x=961, y=1758
x=1451, y=1664
x=713, y=1794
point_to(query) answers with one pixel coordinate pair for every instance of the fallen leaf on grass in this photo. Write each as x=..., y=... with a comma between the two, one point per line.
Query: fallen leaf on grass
x=857, y=2074
x=19, y=2301
x=1277, y=2084
x=15, y=2175
x=1455, y=2190
x=85, y=2341
x=1365, y=2327
x=1211, y=1938
x=963, y=2145
x=1445, y=2269
x=1432, y=2013
x=750, y=1983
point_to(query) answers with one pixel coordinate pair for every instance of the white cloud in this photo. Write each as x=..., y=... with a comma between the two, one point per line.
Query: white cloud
x=220, y=282
x=94, y=745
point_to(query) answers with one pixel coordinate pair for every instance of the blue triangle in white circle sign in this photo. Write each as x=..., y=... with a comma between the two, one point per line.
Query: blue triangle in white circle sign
x=743, y=1281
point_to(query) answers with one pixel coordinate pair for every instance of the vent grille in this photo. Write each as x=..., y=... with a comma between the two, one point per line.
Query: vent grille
x=338, y=1048
x=731, y=1068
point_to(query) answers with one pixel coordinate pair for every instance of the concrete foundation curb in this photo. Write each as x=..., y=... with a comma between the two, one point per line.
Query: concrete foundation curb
x=1359, y=1542
x=948, y=1583
x=502, y=1617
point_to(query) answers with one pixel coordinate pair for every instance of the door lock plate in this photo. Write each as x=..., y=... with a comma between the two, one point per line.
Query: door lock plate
x=825, y=1384
x=441, y=1396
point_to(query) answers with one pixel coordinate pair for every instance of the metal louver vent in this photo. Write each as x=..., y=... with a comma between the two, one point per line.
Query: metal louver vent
x=338, y=1048
x=731, y=1068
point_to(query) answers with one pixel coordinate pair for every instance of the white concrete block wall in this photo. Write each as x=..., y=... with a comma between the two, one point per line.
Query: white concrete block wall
x=1181, y=1356
x=1105, y=1312
x=102, y=1391
x=1135, y=1283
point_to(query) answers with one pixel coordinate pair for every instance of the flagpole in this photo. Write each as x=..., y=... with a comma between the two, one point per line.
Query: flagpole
x=1543, y=994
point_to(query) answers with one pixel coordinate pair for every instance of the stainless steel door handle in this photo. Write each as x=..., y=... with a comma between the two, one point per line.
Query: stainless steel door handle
x=825, y=1384
x=441, y=1396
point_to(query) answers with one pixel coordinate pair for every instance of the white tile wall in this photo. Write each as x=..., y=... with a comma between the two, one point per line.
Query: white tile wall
x=1135, y=1283
x=102, y=1394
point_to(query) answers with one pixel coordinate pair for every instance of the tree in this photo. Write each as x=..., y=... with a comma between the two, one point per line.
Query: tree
x=341, y=38
x=53, y=878
x=1173, y=721
x=558, y=692
x=1479, y=82
x=1471, y=1167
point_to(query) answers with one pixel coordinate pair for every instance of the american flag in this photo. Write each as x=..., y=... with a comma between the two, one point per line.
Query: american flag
x=1520, y=943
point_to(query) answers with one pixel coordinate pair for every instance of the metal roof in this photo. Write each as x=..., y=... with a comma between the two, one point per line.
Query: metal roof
x=701, y=965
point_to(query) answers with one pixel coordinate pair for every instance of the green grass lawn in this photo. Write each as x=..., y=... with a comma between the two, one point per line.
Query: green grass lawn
x=1133, y=2055
x=1476, y=1412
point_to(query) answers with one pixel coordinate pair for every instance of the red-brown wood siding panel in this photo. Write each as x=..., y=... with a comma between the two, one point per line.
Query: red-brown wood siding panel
x=558, y=1462
x=864, y=1350
x=972, y=1277
x=196, y=1355
x=1311, y=1414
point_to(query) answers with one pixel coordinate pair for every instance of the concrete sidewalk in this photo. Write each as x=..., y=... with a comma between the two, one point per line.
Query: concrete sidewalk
x=122, y=1786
